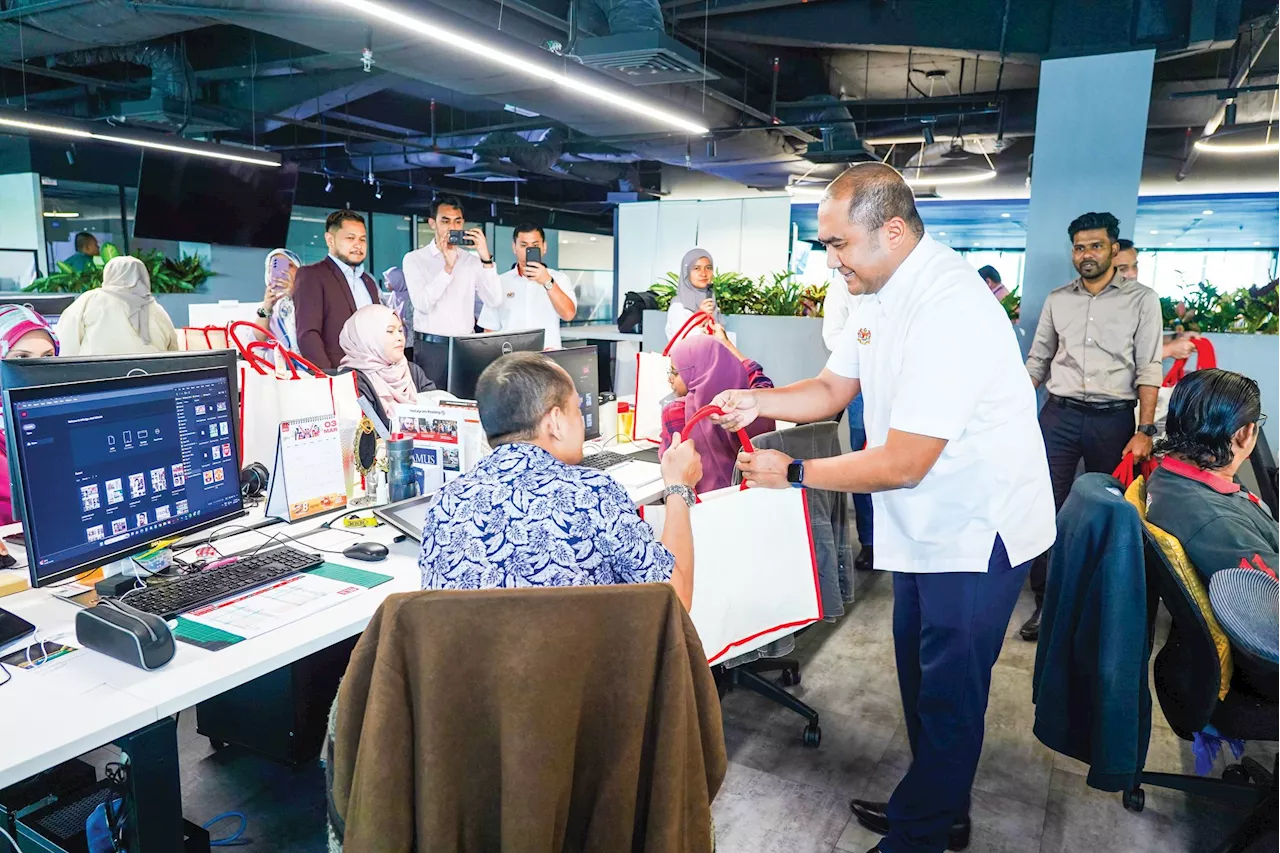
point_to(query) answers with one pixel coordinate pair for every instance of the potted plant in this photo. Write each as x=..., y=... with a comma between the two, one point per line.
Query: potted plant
x=183, y=275
x=773, y=294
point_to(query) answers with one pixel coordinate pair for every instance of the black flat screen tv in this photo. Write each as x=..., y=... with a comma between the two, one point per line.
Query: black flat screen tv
x=199, y=200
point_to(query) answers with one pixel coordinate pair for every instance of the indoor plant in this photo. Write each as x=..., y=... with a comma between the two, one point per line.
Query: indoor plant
x=183, y=275
x=773, y=294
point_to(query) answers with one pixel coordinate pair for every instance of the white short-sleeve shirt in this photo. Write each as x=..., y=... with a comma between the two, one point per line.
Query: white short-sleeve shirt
x=527, y=305
x=937, y=356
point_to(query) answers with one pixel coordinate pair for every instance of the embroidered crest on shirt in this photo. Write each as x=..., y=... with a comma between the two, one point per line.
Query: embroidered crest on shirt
x=864, y=336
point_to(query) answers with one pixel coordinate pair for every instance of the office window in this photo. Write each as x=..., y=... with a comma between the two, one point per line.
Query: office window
x=71, y=207
x=1007, y=263
x=588, y=261
x=306, y=233
x=392, y=240
x=1175, y=273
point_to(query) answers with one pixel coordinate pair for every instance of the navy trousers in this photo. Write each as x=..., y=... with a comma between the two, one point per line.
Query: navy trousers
x=862, y=511
x=947, y=633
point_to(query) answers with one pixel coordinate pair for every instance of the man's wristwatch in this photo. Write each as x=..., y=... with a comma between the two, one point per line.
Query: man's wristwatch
x=795, y=473
x=486, y=263
x=1149, y=430
x=263, y=312
x=547, y=286
x=683, y=492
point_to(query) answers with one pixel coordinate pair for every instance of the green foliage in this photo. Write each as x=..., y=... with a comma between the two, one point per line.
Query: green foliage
x=1206, y=309
x=1012, y=304
x=183, y=275
x=774, y=294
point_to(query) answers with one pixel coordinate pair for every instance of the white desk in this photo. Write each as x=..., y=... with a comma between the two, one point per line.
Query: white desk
x=598, y=332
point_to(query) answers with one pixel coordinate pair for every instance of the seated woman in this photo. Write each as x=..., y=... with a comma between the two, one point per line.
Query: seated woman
x=120, y=318
x=372, y=341
x=1213, y=423
x=23, y=334
x=702, y=366
x=694, y=292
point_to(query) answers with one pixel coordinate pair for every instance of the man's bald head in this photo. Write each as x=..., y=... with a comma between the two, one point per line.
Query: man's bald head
x=875, y=193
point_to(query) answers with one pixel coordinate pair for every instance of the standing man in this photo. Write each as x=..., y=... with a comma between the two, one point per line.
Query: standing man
x=992, y=277
x=835, y=317
x=443, y=281
x=534, y=295
x=86, y=250
x=325, y=294
x=1126, y=264
x=956, y=465
x=1097, y=352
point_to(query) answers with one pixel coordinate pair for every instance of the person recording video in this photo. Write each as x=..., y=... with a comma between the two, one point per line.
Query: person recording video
x=443, y=280
x=534, y=295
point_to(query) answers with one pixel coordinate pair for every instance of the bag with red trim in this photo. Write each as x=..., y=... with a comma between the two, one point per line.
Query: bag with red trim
x=1205, y=358
x=653, y=389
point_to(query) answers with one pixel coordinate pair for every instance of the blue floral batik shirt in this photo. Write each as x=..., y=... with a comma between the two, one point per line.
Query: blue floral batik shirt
x=523, y=518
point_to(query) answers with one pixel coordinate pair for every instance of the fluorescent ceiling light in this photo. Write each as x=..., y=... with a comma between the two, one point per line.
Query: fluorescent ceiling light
x=61, y=214
x=11, y=119
x=495, y=54
x=914, y=180
x=1005, y=215
x=1154, y=231
x=806, y=194
x=1206, y=213
x=1208, y=146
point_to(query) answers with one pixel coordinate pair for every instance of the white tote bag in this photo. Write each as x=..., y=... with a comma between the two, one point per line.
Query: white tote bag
x=755, y=570
x=653, y=390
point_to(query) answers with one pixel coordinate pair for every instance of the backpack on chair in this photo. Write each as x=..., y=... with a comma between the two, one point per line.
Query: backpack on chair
x=631, y=319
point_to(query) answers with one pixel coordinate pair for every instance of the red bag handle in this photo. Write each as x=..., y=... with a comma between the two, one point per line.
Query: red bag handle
x=1205, y=359
x=256, y=361
x=697, y=319
x=706, y=411
x=1124, y=471
x=256, y=329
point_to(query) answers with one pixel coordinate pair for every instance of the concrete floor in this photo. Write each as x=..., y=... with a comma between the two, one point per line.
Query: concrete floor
x=781, y=798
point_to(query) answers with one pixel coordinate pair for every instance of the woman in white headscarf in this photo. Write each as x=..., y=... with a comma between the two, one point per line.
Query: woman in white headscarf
x=695, y=292
x=120, y=318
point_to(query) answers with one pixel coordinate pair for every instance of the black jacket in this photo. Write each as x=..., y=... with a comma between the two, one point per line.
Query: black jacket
x=364, y=388
x=1090, y=687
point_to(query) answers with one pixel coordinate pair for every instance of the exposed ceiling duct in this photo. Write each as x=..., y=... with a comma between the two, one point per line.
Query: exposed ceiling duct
x=170, y=103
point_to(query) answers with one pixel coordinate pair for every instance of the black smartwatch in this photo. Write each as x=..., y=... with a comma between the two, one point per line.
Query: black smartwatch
x=795, y=473
x=1149, y=430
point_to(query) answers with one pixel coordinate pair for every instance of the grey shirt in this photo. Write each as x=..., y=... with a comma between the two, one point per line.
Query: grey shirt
x=1098, y=348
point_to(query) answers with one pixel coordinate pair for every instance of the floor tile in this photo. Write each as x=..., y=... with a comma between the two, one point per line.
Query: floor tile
x=757, y=812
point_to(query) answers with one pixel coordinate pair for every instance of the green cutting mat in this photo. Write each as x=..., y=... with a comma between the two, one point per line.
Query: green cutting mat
x=347, y=574
x=204, y=636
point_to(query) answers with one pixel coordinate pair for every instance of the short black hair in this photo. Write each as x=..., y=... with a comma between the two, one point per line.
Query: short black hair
x=1092, y=222
x=527, y=228
x=878, y=193
x=990, y=272
x=333, y=222
x=446, y=201
x=516, y=391
x=1125, y=245
x=83, y=238
x=1207, y=409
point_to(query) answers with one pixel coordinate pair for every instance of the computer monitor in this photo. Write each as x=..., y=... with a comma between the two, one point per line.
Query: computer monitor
x=26, y=372
x=581, y=365
x=50, y=306
x=469, y=355
x=123, y=462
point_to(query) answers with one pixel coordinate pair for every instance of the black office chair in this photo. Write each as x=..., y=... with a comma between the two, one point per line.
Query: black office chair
x=1263, y=462
x=1187, y=677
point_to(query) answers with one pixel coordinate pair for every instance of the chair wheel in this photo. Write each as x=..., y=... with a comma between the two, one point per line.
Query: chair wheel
x=1135, y=800
x=1235, y=773
x=812, y=736
x=790, y=677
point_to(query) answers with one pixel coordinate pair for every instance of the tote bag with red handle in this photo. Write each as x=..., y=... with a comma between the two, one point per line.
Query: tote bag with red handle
x=653, y=390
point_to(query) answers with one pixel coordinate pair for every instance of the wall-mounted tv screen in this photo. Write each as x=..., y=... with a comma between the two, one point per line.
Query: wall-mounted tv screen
x=199, y=200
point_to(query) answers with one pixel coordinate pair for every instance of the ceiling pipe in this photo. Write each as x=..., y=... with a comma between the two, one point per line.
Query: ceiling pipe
x=22, y=11
x=1237, y=79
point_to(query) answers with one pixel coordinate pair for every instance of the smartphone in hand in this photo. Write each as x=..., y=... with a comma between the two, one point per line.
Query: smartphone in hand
x=533, y=255
x=459, y=238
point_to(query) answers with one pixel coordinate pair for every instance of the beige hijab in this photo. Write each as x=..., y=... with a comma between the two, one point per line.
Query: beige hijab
x=127, y=279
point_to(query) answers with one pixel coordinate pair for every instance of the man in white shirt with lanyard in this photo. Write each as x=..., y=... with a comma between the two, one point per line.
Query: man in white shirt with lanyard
x=534, y=296
x=443, y=280
x=956, y=465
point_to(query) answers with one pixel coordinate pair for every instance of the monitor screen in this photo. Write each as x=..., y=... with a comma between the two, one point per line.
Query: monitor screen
x=123, y=462
x=581, y=365
x=48, y=306
x=469, y=355
x=200, y=200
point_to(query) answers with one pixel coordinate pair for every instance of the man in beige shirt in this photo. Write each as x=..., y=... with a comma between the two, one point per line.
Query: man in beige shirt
x=1097, y=352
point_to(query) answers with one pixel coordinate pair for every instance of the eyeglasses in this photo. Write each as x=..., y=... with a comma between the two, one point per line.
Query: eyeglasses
x=672, y=373
x=1262, y=419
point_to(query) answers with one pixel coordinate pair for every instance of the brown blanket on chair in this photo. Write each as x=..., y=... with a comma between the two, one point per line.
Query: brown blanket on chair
x=529, y=721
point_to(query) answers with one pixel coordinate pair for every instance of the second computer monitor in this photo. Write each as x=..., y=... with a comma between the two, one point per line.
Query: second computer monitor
x=581, y=365
x=469, y=355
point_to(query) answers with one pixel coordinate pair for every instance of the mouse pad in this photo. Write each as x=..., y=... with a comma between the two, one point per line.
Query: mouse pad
x=648, y=455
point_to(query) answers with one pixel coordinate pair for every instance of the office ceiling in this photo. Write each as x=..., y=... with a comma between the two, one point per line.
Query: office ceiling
x=791, y=89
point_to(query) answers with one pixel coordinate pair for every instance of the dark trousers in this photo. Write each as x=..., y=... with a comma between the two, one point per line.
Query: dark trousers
x=862, y=510
x=1070, y=435
x=947, y=633
x=433, y=358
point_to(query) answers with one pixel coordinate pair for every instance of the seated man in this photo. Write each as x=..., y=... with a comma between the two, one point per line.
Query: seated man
x=528, y=515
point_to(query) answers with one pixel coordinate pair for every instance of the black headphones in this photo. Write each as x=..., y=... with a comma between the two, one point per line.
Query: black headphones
x=254, y=480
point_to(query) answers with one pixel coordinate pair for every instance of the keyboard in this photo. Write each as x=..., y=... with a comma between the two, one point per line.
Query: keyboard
x=167, y=599
x=603, y=460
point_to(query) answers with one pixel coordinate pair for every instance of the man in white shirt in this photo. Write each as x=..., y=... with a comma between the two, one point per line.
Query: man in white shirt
x=957, y=467
x=443, y=281
x=534, y=296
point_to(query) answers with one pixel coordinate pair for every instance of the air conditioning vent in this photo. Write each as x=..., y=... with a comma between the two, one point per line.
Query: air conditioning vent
x=643, y=59
x=488, y=171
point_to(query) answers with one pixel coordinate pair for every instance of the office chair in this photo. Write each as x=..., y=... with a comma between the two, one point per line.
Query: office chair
x=1187, y=679
x=829, y=523
x=1263, y=463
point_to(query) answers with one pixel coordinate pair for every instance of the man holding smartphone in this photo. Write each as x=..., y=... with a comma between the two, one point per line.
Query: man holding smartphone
x=443, y=280
x=534, y=296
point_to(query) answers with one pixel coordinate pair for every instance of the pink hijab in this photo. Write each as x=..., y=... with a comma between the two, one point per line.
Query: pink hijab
x=363, y=340
x=707, y=368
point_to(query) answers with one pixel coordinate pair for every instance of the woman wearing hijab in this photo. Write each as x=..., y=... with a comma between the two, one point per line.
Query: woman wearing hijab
x=702, y=366
x=119, y=318
x=23, y=334
x=275, y=314
x=372, y=341
x=695, y=292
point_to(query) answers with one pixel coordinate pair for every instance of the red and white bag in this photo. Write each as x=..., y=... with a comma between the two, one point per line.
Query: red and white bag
x=1205, y=359
x=755, y=570
x=196, y=338
x=653, y=390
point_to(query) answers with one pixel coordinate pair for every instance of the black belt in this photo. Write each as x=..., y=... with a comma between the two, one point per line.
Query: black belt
x=1096, y=408
x=431, y=339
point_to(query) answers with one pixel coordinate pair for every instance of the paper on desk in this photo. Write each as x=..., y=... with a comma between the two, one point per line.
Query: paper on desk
x=56, y=666
x=270, y=607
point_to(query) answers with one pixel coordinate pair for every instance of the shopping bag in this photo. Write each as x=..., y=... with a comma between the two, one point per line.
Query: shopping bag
x=653, y=391
x=1125, y=470
x=197, y=338
x=755, y=570
x=1205, y=359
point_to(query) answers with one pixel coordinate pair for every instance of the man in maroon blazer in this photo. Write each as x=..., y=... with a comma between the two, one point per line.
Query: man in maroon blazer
x=325, y=294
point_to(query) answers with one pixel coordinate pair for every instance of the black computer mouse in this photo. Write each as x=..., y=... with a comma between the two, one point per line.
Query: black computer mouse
x=370, y=552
